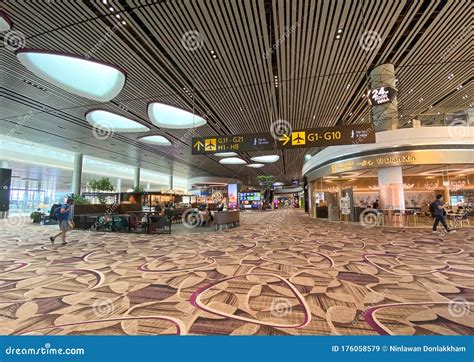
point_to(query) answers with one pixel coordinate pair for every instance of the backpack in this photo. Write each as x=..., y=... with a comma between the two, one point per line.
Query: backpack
x=55, y=209
x=432, y=209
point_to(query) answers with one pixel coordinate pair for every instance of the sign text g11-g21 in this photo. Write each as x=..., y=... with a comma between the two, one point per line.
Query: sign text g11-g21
x=306, y=138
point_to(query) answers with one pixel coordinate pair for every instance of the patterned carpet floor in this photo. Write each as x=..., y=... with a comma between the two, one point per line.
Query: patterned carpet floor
x=279, y=273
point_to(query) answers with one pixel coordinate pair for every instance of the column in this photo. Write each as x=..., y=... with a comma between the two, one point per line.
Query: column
x=148, y=186
x=446, y=195
x=384, y=116
x=118, y=185
x=391, y=191
x=171, y=182
x=77, y=174
x=136, y=177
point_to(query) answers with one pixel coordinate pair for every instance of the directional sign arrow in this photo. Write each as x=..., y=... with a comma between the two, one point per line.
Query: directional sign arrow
x=198, y=145
x=285, y=139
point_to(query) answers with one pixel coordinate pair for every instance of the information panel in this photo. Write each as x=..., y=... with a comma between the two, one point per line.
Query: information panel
x=328, y=136
x=315, y=137
x=233, y=143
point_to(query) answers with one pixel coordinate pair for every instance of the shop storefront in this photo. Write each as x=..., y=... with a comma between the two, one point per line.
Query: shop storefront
x=400, y=181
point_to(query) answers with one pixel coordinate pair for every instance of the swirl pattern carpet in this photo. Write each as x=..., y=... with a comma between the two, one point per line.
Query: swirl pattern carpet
x=279, y=273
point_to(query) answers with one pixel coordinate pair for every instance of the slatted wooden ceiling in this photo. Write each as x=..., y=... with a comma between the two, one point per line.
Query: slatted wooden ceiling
x=321, y=78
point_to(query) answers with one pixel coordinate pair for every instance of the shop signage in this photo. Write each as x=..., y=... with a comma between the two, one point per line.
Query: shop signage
x=381, y=95
x=170, y=191
x=315, y=137
x=345, y=205
x=373, y=161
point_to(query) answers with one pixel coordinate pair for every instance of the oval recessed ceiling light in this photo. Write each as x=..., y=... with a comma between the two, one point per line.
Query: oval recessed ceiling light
x=266, y=159
x=108, y=120
x=5, y=22
x=232, y=161
x=278, y=184
x=156, y=140
x=163, y=115
x=225, y=154
x=255, y=165
x=85, y=77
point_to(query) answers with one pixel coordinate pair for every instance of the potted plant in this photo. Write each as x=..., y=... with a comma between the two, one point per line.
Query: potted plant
x=266, y=183
x=80, y=200
x=35, y=217
x=102, y=184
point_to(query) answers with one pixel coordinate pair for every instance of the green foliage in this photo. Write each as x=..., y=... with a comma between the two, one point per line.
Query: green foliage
x=35, y=216
x=266, y=181
x=138, y=189
x=80, y=200
x=102, y=184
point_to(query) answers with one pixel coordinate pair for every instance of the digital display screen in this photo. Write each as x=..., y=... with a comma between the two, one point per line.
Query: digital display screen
x=232, y=196
x=250, y=199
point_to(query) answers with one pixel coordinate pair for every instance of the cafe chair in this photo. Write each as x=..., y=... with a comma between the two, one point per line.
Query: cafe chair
x=160, y=226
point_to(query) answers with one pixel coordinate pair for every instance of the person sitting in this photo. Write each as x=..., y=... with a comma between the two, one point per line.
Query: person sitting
x=220, y=207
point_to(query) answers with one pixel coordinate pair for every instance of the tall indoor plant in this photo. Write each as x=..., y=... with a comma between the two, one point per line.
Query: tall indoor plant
x=102, y=184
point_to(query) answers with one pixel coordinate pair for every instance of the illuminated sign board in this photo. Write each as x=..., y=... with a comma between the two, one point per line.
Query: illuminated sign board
x=233, y=143
x=381, y=95
x=232, y=196
x=328, y=136
x=316, y=137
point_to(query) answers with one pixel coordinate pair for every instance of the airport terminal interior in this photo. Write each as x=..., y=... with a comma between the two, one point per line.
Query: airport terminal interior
x=236, y=167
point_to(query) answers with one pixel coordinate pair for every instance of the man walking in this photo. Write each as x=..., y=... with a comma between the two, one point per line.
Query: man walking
x=64, y=215
x=439, y=214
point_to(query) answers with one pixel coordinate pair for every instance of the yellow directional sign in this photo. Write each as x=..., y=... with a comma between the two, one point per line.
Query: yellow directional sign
x=298, y=138
x=210, y=144
x=284, y=139
x=314, y=137
x=198, y=144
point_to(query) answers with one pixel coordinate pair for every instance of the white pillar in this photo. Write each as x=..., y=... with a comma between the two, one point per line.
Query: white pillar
x=77, y=174
x=391, y=191
x=118, y=185
x=136, y=177
x=171, y=182
x=148, y=186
